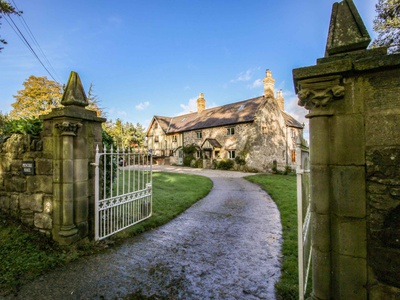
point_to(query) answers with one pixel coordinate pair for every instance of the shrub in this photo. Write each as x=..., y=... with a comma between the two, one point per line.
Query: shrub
x=32, y=126
x=199, y=163
x=225, y=164
x=188, y=159
x=240, y=161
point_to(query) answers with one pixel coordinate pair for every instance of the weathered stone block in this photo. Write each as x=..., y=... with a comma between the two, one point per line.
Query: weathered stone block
x=349, y=236
x=40, y=183
x=380, y=90
x=32, y=202
x=44, y=167
x=43, y=221
x=15, y=184
x=386, y=264
x=319, y=139
x=349, y=196
x=320, y=195
x=383, y=128
x=47, y=204
x=347, y=139
x=81, y=207
x=4, y=203
x=81, y=170
x=321, y=266
x=67, y=171
x=350, y=277
x=27, y=217
x=320, y=232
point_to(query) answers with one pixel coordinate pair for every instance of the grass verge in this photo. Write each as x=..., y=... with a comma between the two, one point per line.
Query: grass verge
x=26, y=254
x=282, y=190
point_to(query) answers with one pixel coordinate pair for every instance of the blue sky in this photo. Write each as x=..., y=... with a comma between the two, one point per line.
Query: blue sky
x=148, y=58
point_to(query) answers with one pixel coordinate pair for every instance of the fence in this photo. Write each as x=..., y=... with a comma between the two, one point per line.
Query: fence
x=123, y=189
x=304, y=214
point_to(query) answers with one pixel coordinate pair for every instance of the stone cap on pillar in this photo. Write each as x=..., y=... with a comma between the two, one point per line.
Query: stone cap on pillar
x=74, y=93
x=347, y=32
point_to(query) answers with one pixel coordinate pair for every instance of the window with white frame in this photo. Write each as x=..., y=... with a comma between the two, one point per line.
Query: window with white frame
x=199, y=134
x=231, y=154
x=174, y=138
x=230, y=131
x=156, y=139
x=198, y=154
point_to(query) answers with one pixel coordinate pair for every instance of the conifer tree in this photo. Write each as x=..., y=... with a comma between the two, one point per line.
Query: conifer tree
x=387, y=25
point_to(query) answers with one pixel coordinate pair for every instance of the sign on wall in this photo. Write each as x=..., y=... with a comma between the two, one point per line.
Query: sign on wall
x=28, y=167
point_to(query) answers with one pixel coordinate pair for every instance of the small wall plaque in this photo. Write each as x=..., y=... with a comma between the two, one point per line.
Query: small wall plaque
x=28, y=167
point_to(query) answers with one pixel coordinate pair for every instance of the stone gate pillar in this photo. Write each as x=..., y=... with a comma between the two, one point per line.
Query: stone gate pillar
x=73, y=131
x=352, y=95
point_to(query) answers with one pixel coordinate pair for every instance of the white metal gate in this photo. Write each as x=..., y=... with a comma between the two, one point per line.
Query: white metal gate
x=303, y=214
x=123, y=189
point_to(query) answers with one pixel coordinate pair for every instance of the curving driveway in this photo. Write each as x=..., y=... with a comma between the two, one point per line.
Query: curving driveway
x=226, y=246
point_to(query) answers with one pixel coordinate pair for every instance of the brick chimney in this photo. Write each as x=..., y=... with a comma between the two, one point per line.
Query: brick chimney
x=201, y=103
x=279, y=98
x=269, y=83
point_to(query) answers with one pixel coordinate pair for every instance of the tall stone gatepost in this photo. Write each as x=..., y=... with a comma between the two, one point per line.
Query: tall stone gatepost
x=73, y=132
x=353, y=98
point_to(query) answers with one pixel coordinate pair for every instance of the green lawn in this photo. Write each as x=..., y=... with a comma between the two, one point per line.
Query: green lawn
x=25, y=254
x=282, y=190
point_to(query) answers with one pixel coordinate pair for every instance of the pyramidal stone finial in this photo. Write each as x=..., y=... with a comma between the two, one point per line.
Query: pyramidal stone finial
x=74, y=94
x=347, y=31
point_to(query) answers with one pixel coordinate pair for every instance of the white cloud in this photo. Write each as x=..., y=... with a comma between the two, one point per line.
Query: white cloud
x=142, y=105
x=190, y=107
x=243, y=76
x=256, y=84
x=296, y=111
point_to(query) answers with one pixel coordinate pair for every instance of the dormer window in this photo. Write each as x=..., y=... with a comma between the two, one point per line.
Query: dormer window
x=241, y=107
x=230, y=131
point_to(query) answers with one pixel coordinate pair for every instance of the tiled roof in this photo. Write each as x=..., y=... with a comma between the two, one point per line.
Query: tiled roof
x=234, y=113
x=290, y=121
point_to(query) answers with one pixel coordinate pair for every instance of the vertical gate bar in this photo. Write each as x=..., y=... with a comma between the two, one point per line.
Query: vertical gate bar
x=96, y=196
x=129, y=170
x=111, y=171
x=123, y=171
x=104, y=172
x=118, y=172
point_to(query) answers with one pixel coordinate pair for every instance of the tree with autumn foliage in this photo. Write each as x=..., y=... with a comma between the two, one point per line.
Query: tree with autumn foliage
x=387, y=25
x=39, y=97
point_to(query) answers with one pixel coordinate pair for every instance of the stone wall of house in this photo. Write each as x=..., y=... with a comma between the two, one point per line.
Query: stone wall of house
x=261, y=142
x=354, y=103
x=28, y=198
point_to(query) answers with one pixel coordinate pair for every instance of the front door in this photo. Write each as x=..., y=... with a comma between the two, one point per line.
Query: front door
x=180, y=157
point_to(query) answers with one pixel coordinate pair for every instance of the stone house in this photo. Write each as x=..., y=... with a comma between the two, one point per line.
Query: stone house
x=258, y=130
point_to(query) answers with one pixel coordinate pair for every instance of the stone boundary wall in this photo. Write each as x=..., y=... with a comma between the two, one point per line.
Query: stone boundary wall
x=28, y=198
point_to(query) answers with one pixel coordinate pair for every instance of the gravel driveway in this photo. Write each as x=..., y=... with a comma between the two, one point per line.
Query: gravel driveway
x=226, y=246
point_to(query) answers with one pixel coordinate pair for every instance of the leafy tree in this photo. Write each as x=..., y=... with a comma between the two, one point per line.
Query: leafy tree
x=7, y=9
x=39, y=96
x=125, y=134
x=387, y=25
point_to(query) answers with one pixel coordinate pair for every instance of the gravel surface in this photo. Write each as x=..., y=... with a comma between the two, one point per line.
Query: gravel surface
x=226, y=246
